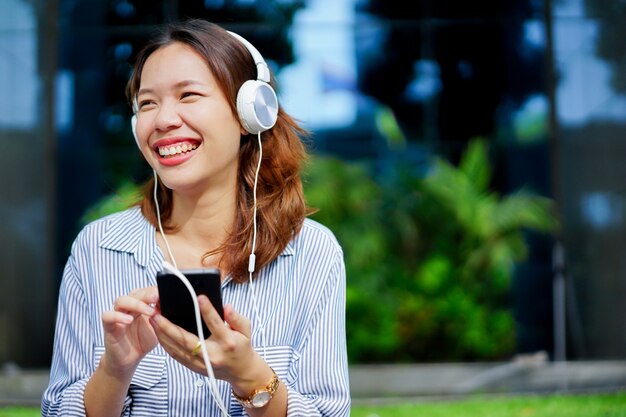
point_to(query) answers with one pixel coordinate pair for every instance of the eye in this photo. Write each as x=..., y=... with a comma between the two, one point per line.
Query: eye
x=189, y=95
x=145, y=104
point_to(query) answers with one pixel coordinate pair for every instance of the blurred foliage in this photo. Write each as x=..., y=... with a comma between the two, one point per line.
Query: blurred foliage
x=429, y=259
x=449, y=80
x=125, y=196
x=610, y=39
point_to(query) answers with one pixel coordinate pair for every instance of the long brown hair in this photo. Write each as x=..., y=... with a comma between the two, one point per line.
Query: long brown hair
x=281, y=207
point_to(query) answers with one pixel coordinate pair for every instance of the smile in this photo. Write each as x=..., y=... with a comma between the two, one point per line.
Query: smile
x=169, y=151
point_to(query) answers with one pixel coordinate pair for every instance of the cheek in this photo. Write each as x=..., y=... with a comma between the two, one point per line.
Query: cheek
x=227, y=148
x=140, y=130
x=223, y=126
x=141, y=135
x=223, y=119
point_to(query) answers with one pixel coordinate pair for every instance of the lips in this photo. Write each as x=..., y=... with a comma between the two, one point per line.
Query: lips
x=174, y=151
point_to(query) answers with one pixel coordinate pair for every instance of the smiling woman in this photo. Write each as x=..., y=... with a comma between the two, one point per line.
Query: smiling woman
x=181, y=104
x=114, y=353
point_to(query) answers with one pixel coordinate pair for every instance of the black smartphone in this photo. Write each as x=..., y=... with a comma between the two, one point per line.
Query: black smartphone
x=176, y=302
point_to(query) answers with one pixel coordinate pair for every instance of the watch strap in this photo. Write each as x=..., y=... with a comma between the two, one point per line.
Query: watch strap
x=269, y=389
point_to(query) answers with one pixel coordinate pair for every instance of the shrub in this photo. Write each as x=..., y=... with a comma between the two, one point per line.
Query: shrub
x=429, y=258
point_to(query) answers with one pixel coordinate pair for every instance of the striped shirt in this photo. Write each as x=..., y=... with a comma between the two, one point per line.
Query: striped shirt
x=301, y=301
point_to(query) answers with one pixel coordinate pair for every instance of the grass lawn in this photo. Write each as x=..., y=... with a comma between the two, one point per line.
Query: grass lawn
x=609, y=405
x=19, y=412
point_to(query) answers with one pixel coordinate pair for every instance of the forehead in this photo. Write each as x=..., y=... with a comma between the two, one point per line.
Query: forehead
x=172, y=64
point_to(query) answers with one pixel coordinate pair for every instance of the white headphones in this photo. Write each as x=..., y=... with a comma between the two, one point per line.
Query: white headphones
x=257, y=105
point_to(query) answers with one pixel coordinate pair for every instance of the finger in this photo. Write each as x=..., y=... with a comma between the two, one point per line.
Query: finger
x=116, y=317
x=166, y=338
x=178, y=343
x=236, y=321
x=172, y=335
x=149, y=295
x=212, y=319
x=132, y=305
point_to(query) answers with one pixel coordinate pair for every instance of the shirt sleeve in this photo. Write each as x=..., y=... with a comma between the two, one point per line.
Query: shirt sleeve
x=322, y=386
x=72, y=356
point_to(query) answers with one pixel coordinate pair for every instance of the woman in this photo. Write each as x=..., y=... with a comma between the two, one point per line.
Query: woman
x=280, y=349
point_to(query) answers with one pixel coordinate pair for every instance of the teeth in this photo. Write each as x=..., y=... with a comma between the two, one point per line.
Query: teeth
x=178, y=149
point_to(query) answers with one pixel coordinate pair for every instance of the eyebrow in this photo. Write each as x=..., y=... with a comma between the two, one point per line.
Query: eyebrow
x=178, y=85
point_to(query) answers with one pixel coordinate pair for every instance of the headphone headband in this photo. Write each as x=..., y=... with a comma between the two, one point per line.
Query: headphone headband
x=263, y=72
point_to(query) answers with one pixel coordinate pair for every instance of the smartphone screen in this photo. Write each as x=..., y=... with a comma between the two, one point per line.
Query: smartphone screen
x=176, y=302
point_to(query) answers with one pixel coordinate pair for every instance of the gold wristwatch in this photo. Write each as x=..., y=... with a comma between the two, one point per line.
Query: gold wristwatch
x=260, y=396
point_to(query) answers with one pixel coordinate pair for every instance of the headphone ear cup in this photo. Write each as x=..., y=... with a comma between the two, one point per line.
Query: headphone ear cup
x=257, y=106
x=133, y=126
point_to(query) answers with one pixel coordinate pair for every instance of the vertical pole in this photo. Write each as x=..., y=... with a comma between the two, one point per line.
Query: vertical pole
x=551, y=95
x=558, y=288
x=558, y=260
x=559, y=313
x=48, y=46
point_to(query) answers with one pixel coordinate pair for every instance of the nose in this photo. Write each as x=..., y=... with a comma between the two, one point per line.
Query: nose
x=167, y=117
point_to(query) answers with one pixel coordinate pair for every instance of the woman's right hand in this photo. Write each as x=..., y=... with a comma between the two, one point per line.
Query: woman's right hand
x=128, y=335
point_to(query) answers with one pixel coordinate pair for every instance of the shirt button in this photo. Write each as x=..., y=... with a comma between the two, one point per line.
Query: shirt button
x=199, y=382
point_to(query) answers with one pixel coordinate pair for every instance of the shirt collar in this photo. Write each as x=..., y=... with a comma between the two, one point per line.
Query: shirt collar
x=130, y=232
x=289, y=249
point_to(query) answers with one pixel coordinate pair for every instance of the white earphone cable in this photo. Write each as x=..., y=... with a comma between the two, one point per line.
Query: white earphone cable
x=173, y=269
x=252, y=260
x=158, y=211
x=205, y=354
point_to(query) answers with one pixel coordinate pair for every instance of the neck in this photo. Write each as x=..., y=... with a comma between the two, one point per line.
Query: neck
x=201, y=225
x=204, y=221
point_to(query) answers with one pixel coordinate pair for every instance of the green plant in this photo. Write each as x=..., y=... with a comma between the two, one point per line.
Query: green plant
x=349, y=202
x=127, y=194
x=429, y=259
x=468, y=242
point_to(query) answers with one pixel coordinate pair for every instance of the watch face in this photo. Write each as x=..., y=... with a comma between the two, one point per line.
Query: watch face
x=260, y=399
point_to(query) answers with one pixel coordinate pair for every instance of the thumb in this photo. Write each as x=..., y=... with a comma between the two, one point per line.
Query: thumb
x=236, y=321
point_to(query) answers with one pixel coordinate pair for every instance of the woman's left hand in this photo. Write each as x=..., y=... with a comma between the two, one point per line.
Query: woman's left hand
x=230, y=350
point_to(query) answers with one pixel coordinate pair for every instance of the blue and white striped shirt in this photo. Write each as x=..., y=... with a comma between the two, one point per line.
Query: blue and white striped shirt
x=301, y=297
